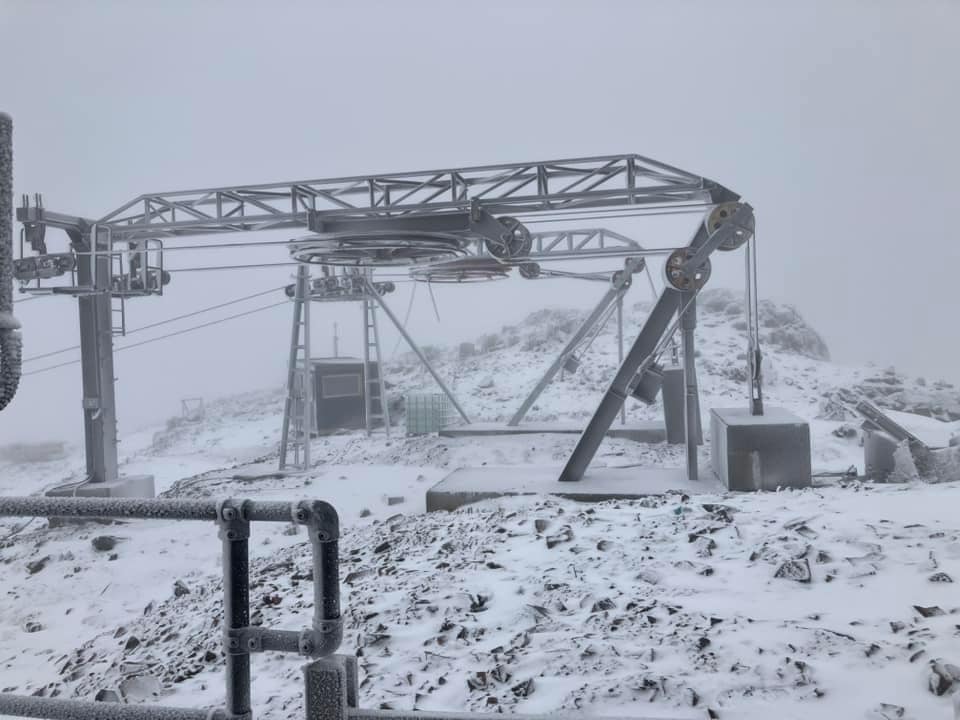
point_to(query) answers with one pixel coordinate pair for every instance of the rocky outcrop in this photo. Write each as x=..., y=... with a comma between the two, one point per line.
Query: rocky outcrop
x=781, y=326
x=891, y=390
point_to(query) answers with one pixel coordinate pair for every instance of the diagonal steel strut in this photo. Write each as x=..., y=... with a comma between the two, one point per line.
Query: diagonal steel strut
x=641, y=354
x=419, y=353
x=614, y=294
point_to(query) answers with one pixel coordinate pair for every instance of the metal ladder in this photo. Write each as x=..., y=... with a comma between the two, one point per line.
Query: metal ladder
x=118, y=303
x=373, y=388
x=298, y=415
x=118, y=315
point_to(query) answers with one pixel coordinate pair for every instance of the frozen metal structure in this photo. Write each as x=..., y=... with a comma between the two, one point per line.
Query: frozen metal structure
x=727, y=226
x=298, y=404
x=347, y=284
x=406, y=219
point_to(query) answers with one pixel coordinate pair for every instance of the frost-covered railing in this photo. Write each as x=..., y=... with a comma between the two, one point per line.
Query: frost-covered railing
x=239, y=639
x=331, y=687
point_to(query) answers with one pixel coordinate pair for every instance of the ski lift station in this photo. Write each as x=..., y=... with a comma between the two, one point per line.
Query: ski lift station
x=347, y=241
x=455, y=226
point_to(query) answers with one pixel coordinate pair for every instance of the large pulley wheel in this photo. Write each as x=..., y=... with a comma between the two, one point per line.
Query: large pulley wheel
x=382, y=248
x=680, y=279
x=719, y=216
x=462, y=270
x=514, y=241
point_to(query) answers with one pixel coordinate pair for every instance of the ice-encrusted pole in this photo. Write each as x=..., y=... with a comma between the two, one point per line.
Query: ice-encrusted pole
x=10, y=342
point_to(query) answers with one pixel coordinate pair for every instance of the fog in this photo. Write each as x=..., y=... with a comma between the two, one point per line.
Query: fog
x=836, y=120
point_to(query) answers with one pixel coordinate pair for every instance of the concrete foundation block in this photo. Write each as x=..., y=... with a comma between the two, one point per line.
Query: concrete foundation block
x=469, y=485
x=763, y=452
x=129, y=486
x=643, y=432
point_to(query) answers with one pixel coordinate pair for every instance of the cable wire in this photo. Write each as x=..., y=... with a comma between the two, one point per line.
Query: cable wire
x=162, y=322
x=168, y=335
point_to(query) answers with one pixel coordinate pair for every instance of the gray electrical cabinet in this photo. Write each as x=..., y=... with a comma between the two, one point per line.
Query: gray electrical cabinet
x=338, y=387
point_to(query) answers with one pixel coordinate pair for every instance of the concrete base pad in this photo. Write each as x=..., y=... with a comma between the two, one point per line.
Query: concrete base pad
x=760, y=452
x=130, y=486
x=649, y=432
x=469, y=485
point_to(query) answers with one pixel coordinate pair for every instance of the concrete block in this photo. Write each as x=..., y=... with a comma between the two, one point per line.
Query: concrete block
x=763, y=452
x=643, y=432
x=129, y=486
x=469, y=485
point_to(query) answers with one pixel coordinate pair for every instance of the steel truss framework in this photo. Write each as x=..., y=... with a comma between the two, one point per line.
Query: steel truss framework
x=469, y=205
x=517, y=188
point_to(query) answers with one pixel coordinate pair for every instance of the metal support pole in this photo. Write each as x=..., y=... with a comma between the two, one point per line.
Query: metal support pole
x=292, y=403
x=325, y=544
x=688, y=322
x=423, y=358
x=755, y=357
x=611, y=295
x=623, y=408
x=309, y=415
x=291, y=369
x=235, y=534
x=641, y=352
x=96, y=359
x=11, y=344
x=367, y=402
x=370, y=325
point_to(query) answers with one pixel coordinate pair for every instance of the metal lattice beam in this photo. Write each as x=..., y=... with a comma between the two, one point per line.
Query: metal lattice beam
x=537, y=187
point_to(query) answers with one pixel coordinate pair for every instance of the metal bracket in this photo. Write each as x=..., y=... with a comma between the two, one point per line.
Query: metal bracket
x=232, y=518
x=239, y=641
x=322, y=639
x=320, y=518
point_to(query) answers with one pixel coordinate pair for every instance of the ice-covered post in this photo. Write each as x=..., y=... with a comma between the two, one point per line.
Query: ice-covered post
x=330, y=688
x=10, y=341
x=235, y=534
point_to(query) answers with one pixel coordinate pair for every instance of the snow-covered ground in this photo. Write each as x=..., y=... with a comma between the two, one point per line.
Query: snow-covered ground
x=830, y=602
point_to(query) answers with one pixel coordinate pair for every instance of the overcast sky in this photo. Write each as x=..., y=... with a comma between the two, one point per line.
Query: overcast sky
x=836, y=120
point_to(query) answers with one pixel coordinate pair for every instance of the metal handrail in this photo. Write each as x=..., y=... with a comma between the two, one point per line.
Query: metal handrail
x=239, y=639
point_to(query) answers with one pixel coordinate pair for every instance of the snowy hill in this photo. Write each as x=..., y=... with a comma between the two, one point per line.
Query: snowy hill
x=833, y=602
